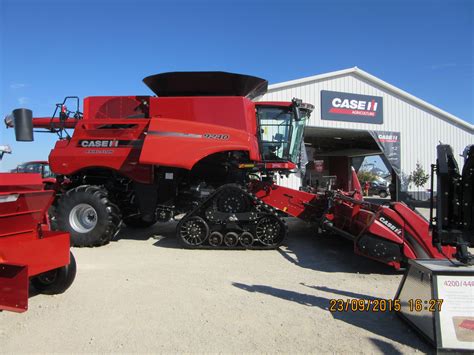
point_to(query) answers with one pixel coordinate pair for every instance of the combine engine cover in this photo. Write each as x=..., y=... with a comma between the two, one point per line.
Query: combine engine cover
x=192, y=141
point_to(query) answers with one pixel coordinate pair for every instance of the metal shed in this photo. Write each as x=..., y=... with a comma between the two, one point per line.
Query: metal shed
x=357, y=114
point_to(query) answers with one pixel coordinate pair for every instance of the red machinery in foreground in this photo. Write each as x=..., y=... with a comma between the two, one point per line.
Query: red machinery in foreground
x=390, y=234
x=205, y=150
x=29, y=251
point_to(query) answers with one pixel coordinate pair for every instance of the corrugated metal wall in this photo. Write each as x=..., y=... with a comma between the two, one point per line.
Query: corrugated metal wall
x=421, y=130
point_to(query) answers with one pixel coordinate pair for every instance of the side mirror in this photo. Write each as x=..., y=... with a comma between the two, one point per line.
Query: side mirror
x=23, y=124
x=296, y=108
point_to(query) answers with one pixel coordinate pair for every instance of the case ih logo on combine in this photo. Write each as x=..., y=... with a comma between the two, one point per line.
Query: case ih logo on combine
x=99, y=144
x=340, y=106
x=392, y=226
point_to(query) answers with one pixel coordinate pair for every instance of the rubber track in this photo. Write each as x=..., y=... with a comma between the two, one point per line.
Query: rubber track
x=263, y=209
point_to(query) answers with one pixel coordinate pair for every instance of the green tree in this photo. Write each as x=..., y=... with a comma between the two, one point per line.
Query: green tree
x=366, y=176
x=419, y=177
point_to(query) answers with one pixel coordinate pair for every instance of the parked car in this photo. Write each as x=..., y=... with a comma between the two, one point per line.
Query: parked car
x=38, y=167
x=377, y=188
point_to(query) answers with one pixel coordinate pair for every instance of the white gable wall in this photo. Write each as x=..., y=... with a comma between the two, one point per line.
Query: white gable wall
x=421, y=129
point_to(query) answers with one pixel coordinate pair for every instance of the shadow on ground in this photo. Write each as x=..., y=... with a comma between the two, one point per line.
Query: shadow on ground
x=386, y=325
x=326, y=252
x=163, y=232
x=303, y=247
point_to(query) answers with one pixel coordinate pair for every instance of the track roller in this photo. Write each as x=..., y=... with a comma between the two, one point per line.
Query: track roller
x=246, y=239
x=231, y=239
x=215, y=239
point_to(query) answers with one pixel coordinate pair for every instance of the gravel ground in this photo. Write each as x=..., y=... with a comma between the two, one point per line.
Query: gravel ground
x=142, y=293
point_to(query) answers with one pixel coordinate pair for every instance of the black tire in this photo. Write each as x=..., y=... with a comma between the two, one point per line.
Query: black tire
x=383, y=194
x=136, y=221
x=103, y=224
x=56, y=281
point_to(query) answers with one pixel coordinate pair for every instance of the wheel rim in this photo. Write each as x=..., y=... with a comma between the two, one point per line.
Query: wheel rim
x=215, y=239
x=83, y=218
x=194, y=231
x=268, y=230
x=48, y=278
x=232, y=202
x=231, y=239
x=246, y=239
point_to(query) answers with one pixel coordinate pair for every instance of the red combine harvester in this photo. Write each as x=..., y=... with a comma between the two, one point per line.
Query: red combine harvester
x=29, y=251
x=202, y=149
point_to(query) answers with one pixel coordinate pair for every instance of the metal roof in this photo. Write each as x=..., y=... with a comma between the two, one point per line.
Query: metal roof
x=379, y=82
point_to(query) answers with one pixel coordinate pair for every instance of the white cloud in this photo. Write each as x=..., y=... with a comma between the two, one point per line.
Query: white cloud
x=18, y=86
x=23, y=100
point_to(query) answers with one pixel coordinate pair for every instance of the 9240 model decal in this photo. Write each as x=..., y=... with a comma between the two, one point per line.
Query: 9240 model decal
x=216, y=136
x=219, y=136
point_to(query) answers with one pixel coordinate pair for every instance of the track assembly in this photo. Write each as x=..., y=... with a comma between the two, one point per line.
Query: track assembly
x=232, y=218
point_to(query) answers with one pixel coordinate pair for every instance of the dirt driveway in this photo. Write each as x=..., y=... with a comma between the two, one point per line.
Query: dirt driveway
x=142, y=293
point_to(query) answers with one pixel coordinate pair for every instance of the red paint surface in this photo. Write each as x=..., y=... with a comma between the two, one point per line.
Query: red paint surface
x=27, y=247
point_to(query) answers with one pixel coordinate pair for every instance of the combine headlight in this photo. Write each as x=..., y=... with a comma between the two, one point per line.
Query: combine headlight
x=306, y=106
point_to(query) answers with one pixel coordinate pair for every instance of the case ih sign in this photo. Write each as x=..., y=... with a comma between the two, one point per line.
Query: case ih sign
x=341, y=106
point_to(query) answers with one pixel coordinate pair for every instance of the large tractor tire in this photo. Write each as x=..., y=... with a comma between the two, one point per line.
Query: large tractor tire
x=137, y=221
x=88, y=215
x=56, y=281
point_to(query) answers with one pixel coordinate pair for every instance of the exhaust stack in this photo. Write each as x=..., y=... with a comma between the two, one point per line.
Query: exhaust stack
x=23, y=123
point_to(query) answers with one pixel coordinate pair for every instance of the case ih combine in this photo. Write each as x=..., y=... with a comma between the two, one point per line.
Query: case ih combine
x=29, y=251
x=204, y=149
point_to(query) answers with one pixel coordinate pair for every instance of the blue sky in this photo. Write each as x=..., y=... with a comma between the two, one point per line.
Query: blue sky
x=51, y=49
